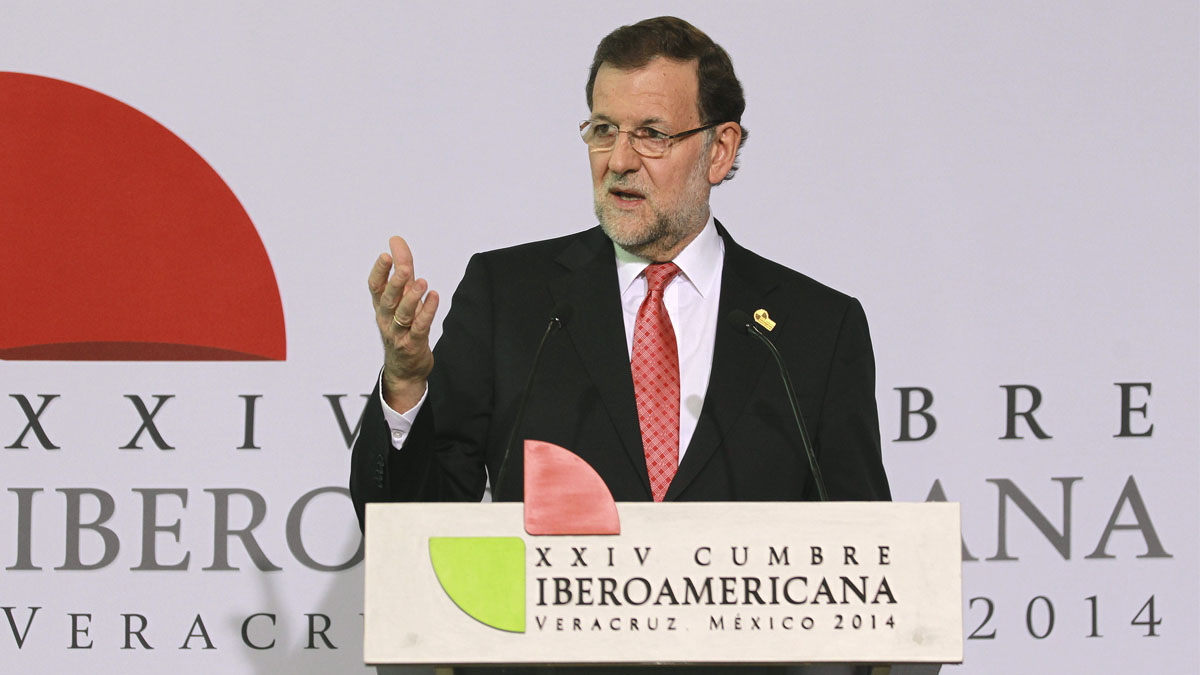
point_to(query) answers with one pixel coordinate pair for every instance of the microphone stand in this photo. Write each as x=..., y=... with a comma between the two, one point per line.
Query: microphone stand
x=741, y=319
x=560, y=315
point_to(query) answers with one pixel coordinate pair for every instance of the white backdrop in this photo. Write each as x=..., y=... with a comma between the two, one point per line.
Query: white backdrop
x=1009, y=188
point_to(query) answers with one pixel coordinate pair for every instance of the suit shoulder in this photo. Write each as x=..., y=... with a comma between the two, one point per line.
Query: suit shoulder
x=792, y=282
x=544, y=250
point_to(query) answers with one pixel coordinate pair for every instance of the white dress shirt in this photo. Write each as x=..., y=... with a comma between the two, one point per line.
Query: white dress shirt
x=692, y=300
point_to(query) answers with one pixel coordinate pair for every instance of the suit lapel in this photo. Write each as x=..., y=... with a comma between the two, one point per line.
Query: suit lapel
x=597, y=331
x=737, y=362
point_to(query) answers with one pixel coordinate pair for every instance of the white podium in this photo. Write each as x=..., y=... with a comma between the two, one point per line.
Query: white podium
x=571, y=578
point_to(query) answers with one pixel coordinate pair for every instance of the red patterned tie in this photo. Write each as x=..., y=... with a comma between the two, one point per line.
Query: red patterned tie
x=655, y=366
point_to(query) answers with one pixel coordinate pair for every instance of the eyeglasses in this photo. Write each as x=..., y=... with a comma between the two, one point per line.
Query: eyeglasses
x=646, y=141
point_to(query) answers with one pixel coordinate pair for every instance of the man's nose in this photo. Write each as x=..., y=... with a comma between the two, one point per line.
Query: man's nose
x=623, y=158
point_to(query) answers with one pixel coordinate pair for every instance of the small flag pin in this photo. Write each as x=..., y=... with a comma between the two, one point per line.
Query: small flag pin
x=764, y=319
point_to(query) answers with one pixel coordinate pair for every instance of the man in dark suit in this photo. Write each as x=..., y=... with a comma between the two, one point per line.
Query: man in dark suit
x=647, y=381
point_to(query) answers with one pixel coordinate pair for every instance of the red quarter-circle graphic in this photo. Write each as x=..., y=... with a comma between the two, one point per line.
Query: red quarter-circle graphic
x=118, y=242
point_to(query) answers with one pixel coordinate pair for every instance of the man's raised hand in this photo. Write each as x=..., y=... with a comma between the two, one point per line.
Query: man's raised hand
x=404, y=314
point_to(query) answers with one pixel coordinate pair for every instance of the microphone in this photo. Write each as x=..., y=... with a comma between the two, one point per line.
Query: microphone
x=742, y=321
x=559, y=317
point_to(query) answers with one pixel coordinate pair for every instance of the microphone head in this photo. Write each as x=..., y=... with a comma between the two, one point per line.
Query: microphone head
x=562, y=313
x=740, y=320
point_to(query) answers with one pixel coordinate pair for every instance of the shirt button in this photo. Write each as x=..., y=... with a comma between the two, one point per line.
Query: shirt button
x=396, y=435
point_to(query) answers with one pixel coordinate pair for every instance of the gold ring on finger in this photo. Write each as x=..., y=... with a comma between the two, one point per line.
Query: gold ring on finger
x=396, y=320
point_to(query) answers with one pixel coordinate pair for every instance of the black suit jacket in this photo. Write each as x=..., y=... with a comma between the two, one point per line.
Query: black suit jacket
x=745, y=447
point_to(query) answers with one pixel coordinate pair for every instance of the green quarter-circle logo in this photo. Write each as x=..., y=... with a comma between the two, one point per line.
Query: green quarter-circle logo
x=484, y=576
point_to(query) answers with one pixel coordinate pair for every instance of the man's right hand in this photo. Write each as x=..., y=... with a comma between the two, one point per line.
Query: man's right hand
x=404, y=314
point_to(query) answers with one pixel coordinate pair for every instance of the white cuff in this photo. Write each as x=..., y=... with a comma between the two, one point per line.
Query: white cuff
x=400, y=423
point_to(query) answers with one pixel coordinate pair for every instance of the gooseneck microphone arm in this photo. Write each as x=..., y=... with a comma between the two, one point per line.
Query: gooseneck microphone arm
x=742, y=321
x=558, y=318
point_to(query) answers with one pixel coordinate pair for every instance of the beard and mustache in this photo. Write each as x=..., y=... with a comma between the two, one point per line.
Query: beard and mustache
x=660, y=230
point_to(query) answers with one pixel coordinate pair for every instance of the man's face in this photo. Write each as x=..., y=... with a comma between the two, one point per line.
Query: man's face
x=651, y=207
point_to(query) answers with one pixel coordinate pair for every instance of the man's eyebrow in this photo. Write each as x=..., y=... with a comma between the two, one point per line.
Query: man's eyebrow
x=649, y=121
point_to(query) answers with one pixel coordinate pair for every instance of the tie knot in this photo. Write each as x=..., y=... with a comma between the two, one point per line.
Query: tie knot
x=658, y=275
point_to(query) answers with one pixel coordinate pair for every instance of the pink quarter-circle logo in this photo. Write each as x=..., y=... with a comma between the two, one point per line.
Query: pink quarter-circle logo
x=120, y=242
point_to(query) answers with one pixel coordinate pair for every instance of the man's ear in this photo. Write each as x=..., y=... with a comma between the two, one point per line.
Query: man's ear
x=723, y=151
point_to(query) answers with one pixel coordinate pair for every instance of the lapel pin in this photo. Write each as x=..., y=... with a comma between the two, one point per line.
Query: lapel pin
x=764, y=319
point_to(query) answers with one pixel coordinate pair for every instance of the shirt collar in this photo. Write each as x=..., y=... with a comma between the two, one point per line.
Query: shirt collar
x=698, y=262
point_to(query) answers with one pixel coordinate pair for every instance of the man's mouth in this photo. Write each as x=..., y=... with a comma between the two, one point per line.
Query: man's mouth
x=626, y=195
